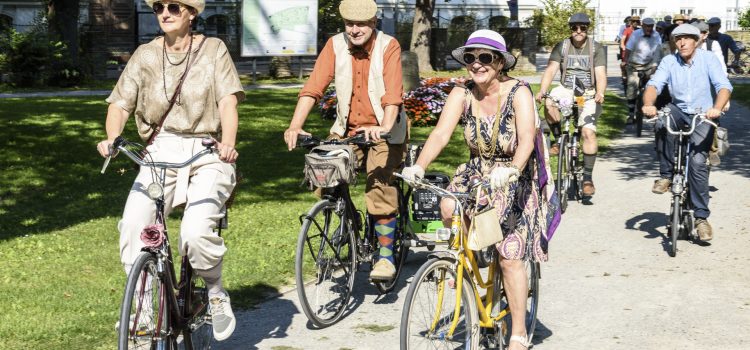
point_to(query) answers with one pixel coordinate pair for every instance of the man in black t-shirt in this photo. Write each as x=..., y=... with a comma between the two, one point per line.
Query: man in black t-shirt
x=584, y=61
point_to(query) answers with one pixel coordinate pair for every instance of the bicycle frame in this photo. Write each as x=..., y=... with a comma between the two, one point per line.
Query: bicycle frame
x=465, y=261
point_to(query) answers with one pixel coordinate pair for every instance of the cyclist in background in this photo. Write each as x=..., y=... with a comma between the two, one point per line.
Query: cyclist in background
x=635, y=23
x=206, y=105
x=582, y=59
x=690, y=74
x=726, y=41
x=366, y=65
x=642, y=55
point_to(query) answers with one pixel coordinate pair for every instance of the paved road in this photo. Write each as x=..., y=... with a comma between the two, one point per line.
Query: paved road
x=609, y=284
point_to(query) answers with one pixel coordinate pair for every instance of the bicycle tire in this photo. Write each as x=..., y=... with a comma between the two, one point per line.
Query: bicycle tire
x=674, y=229
x=400, y=253
x=638, y=119
x=144, y=288
x=532, y=303
x=562, y=174
x=435, y=275
x=199, y=332
x=324, y=248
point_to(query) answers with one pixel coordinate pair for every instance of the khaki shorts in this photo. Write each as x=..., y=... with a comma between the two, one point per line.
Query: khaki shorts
x=591, y=110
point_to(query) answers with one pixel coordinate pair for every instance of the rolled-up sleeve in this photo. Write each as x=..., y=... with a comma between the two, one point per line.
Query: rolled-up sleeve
x=717, y=73
x=322, y=73
x=392, y=76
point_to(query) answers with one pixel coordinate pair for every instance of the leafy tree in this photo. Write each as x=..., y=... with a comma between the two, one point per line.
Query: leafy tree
x=62, y=17
x=420, y=35
x=744, y=19
x=552, y=21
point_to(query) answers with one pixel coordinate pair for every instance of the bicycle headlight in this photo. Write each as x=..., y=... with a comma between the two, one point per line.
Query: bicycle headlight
x=154, y=191
x=566, y=111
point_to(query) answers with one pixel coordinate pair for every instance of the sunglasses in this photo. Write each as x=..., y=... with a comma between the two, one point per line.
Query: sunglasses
x=174, y=9
x=484, y=58
x=581, y=27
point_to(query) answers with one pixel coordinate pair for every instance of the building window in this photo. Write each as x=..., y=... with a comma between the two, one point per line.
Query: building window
x=688, y=11
x=637, y=11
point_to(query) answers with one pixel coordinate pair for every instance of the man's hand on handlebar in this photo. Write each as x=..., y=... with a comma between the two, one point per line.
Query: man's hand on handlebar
x=649, y=111
x=290, y=136
x=713, y=113
x=372, y=132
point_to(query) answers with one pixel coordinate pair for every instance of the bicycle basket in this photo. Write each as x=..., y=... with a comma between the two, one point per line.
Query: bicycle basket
x=426, y=205
x=328, y=166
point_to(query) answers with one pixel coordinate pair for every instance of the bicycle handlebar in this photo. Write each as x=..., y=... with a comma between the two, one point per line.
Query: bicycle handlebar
x=666, y=112
x=309, y=141
x=120, y=145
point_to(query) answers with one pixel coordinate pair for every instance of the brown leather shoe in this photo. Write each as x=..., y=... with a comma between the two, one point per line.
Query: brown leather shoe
x=705, y=233
x=588, y=188
x=661, y=186
x=554, y=149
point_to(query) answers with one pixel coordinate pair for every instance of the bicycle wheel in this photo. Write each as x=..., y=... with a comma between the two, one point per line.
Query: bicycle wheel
x=199, y=333
x=325, y=263
x=429, y=310
x=639, y=115
x=532, y=302
x=144, y=314
x=400, y=250
x=674, y=229
x=561, y=182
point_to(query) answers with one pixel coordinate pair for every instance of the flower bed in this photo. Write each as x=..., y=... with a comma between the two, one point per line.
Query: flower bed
x=423, y=105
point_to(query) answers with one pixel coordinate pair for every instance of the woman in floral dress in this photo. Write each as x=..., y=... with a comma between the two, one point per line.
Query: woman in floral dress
x=501, y=130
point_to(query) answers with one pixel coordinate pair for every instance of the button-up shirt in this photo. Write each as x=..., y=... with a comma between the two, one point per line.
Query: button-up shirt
x=360, y=112
x=727, y=43
x=644, y=49
x=690, y=83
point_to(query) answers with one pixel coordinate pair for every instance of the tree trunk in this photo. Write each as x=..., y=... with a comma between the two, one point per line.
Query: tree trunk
x=420, y=35
x=62, y=18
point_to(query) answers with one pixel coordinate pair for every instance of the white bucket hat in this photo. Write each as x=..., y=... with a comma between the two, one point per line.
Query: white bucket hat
x=198, y=5
x=485, y=39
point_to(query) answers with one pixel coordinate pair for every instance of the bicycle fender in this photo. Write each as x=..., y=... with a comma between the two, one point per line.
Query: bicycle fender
x=444, y=255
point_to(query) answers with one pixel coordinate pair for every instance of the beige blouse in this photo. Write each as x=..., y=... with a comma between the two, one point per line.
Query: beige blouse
x=141, y=88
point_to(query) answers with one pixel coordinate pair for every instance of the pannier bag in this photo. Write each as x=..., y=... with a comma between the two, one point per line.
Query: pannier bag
x=328, y=166
x=426, y=205
x=722, y=141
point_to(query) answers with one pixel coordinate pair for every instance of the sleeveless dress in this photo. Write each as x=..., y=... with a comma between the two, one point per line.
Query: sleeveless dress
x=521, y=205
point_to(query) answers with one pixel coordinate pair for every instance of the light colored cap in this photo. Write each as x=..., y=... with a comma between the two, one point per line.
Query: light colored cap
x=702, y=26
x=485, y=39
x=686, y=29
x=648, y=21
x=358, y=10
x=198, y=5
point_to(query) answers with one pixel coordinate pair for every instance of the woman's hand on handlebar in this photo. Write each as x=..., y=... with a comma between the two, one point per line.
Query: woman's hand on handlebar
x=105, y=147
x=413, y=173
x=372, y=132
x=290, y=136
x=227, y=153
x=540, y=96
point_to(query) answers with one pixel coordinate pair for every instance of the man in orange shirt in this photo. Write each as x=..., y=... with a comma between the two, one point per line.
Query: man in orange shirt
x=366, y=65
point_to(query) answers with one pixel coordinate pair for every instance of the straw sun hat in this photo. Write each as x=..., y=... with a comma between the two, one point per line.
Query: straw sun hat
x=198, y=5
x=358, y=10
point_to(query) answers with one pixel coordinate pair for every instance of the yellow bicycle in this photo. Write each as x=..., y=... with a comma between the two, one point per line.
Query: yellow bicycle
x=451, y=303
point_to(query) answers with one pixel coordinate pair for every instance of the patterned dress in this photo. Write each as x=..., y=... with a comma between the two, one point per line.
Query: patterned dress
x=521, y=205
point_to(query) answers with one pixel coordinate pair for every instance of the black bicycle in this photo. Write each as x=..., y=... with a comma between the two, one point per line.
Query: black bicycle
x=569, y=180
x=336, y=238
x=681, y=223
x=157, y=309
x=643, y=78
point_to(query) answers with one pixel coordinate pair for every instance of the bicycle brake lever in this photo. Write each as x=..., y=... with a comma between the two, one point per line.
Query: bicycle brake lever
x=106, y=163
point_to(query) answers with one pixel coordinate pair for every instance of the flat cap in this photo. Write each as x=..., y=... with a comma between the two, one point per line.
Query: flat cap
x=714, y=20
x=703, y=27
x=668, y=18
x=661, y=24
x=679, y=17
x=648, y=21
x=358, y=10
x=686, y=29
x=579, y=17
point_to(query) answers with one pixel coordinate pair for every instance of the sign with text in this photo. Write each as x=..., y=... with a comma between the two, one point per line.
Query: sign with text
x=279, y=28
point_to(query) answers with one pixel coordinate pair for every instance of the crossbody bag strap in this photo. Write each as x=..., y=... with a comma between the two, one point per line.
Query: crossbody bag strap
x=564, y=66
x=174, y=96
x=591, y=62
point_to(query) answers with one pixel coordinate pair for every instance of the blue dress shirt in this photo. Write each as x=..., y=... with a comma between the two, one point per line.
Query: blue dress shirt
x=690, y=84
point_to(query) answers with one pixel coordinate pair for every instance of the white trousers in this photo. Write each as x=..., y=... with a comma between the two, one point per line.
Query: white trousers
x=203, y=186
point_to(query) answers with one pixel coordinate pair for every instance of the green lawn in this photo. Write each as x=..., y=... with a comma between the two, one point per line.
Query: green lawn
x=61, y=277
x=741, y=93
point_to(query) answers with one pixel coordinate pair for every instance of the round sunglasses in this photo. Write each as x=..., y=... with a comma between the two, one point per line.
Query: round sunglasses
x=484, y=57
x=174, y=9
x=581, y=27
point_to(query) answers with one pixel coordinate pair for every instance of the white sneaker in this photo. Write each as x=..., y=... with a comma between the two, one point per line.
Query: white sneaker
x=222, y=317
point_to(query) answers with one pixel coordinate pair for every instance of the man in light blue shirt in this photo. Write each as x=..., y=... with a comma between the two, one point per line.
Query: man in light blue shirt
x=690, y=75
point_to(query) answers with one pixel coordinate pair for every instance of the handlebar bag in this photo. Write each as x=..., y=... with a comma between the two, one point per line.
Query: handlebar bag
x=328, y=166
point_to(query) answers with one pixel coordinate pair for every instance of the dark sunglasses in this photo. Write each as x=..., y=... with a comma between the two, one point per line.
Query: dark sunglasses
x=581, y=27
x=484, y=58
x=173, y=8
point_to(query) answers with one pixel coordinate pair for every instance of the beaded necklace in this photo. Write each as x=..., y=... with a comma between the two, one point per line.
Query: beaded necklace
x=484, y=150
x=165, y=59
